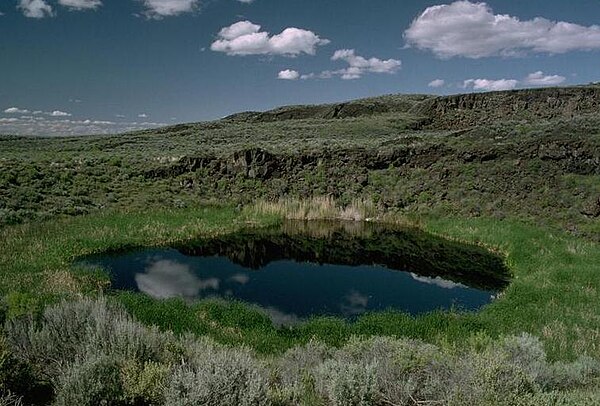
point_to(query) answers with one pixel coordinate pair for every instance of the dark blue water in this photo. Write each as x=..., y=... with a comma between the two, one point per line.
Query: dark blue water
x=290, y=287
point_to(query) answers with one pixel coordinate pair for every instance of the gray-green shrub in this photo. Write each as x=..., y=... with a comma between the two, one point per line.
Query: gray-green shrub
x=75, y=329
x=90, y=382
x=213, y=375
x=93, y=352
x=342, y=383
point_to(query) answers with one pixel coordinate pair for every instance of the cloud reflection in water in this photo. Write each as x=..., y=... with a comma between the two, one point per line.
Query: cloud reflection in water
x=354, y=303
x=166, y=279
x=437, y=281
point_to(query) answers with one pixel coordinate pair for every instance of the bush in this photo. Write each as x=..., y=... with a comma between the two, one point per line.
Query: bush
x=214, y=375
x=347, y=384
x=93, y=381
x=144, y=383
x=294, y=381
x=407, y=369
x=72, y=330
x=17, y=380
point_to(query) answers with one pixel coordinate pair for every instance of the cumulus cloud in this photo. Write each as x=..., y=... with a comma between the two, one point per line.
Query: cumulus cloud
x=167, y=8
x=288, y=75
x=58, y=113
x=472, y=30
x=35, y=8
x=46, y=125
x=246, y=38
x=16, y=110
x=246, y=1
x=55, y=113
x=490, y=85
x=81, y=4
x=437, y=83
x=143, y=115
x=358, y=66
x=539, y=79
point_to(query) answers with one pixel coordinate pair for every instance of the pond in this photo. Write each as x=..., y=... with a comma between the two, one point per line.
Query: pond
x=305, y=269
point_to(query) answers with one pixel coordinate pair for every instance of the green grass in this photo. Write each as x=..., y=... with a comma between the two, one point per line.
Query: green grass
x=553, y=294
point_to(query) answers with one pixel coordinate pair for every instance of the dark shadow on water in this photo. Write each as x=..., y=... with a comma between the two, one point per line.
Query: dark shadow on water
x=303, y=269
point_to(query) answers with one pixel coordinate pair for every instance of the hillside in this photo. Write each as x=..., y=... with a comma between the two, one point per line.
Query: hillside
x=527, y=153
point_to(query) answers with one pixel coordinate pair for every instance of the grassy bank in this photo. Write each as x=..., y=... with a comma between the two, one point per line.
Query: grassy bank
x=553, y=294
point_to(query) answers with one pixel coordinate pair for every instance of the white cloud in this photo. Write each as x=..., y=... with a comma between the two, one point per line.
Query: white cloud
x=359, y=65
x=55, y=113
x=238, y=29
x=44, y=125
x=246, y=1
x=539, y=79
x=167, y=8
x=437, y=83
x=472, y=30
x=16, y=110
x=81, y=4
x=35, y=8
x=58, y=113
x=490, y=85
x=143, y=115
x=288, y=75
x=245, y=38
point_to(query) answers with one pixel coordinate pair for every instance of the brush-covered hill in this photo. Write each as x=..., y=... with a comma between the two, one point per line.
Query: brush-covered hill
x=456, y=111
x=531, y=153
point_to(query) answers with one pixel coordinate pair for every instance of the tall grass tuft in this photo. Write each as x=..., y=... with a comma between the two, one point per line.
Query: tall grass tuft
x=317, y=208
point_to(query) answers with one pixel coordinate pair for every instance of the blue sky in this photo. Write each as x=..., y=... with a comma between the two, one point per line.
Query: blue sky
x=87, y=66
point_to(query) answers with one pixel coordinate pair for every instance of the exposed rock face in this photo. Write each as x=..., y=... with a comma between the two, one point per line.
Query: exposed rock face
x=593, y=208
x=476, y=109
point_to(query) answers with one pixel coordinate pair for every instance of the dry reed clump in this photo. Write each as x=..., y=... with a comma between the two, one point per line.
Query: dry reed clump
x=327, y=208
x=93, y=352
x=318, y=208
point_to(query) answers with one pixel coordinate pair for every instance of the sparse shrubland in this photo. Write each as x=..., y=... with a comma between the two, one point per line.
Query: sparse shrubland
x=187, y=370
